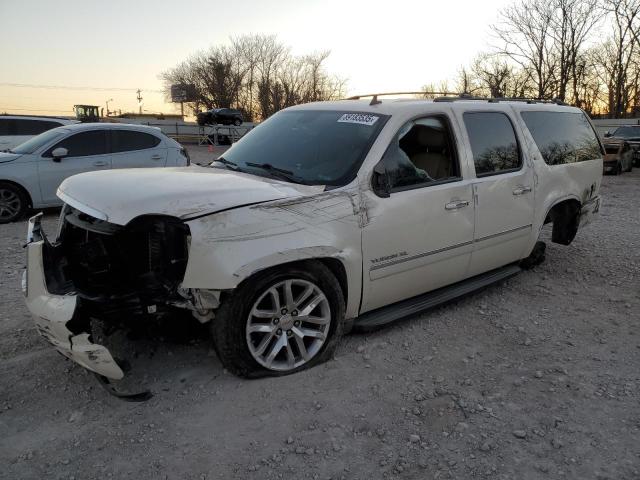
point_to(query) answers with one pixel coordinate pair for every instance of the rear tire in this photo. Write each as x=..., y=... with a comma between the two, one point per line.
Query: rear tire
x=13, y=202
x=257, y=333
x=618, y=169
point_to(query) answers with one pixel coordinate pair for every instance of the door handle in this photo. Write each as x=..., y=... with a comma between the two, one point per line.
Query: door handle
x=100, y=163
x=522, y=190
x=456, y=204
x=156, y=157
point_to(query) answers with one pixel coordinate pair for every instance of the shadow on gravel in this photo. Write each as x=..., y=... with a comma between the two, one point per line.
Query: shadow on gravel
x=158, y=355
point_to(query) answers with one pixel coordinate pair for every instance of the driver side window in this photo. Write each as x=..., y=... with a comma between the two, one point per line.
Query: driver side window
x=93, y=142
x=422, y=153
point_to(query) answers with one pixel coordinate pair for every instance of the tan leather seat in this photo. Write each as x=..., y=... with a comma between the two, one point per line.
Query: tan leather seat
x=433, y=157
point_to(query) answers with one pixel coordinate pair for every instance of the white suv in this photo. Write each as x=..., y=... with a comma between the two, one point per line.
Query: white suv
x=31, y=172
x=17, y=129
x=325, y=217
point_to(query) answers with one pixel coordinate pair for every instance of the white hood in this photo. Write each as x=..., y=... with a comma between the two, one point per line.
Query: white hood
x=118, y=196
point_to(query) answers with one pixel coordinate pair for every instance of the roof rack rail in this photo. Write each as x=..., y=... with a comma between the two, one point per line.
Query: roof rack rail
x=375, y=101
x=453, y=97
x=556, y=101
x=461, y=96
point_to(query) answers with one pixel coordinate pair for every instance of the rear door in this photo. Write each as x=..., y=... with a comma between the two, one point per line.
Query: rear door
x=503, y=190
x=135, y=149
x=87, y=151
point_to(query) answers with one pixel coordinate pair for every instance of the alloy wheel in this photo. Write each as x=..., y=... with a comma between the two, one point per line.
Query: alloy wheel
x=10, y=204
x=288, y=324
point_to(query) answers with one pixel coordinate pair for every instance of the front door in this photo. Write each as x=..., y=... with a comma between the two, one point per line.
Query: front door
x=87, y=151
x=420, y=236
x=503, y=191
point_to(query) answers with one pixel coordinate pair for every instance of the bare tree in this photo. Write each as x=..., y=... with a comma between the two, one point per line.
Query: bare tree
x=571, y=23
x=552, y=48
x=257, y=74
x=616, y=56
x=497, y=78
x=524, y=34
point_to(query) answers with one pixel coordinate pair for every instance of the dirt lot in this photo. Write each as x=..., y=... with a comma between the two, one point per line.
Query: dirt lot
x=534, y=378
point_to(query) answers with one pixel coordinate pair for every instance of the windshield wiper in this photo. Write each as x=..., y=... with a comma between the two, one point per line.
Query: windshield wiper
x=276, y=172
x=227, y=163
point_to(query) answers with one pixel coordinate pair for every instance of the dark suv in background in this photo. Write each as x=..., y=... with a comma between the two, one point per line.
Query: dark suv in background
x=627, y=137
x=225, y=116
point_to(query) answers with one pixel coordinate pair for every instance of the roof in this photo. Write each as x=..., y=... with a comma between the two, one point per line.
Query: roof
x=38, y=117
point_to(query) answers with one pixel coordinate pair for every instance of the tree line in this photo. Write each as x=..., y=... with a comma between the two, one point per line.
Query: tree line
x=256, y=74
x=583, y=52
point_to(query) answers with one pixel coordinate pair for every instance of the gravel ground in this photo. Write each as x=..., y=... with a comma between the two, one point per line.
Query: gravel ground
x=536, y=377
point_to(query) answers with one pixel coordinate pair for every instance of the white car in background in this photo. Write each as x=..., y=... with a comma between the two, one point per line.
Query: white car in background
x=31, y=172
x=17, y=129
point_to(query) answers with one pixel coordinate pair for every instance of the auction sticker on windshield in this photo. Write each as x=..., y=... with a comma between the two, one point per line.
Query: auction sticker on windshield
x=361, y=118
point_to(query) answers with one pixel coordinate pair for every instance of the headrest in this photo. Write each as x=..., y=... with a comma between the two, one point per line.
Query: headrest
x=431, y=138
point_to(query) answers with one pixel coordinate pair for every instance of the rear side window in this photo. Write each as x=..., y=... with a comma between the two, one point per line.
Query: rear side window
x=83, y=144
x=493, y=143
x=563, y=137
x=129, y=140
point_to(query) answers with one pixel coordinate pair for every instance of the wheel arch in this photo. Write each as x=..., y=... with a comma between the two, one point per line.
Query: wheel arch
x=334, y=264
x=21, y=188
x=564, y=214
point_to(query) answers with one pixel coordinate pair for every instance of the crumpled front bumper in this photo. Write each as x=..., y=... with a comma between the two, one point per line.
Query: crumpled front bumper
x=52, y=312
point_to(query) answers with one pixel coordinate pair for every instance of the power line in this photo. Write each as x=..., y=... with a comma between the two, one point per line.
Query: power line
x=69, y=87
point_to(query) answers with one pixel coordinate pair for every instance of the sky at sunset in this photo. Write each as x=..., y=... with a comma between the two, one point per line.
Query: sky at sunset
x=94, y=51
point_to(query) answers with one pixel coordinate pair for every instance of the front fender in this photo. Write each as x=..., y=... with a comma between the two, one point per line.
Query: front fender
x=231, y=246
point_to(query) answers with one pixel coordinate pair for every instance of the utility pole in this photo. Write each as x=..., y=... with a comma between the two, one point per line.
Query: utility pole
x=139, y=92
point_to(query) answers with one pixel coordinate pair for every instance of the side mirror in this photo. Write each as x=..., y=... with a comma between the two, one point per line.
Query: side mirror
x=59, y=153
x=379, y=183
x=608, y=134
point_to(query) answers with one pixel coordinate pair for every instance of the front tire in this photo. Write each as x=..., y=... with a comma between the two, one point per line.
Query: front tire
x=280, y=322
x=237, y=122
x=13, y=203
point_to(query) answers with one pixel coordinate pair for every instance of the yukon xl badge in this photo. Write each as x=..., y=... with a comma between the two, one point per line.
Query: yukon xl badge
x=389, y=257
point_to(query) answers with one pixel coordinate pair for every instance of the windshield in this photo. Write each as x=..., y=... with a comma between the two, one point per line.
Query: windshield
x=38, y=141
x=314, y=147
x=627, y=132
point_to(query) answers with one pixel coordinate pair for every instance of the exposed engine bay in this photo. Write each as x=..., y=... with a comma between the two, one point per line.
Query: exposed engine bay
x=119, y=276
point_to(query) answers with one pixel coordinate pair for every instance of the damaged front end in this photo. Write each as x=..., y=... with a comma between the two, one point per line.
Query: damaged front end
x=98, y=272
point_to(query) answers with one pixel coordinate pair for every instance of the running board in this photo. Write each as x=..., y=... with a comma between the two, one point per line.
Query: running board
x=385, y=315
